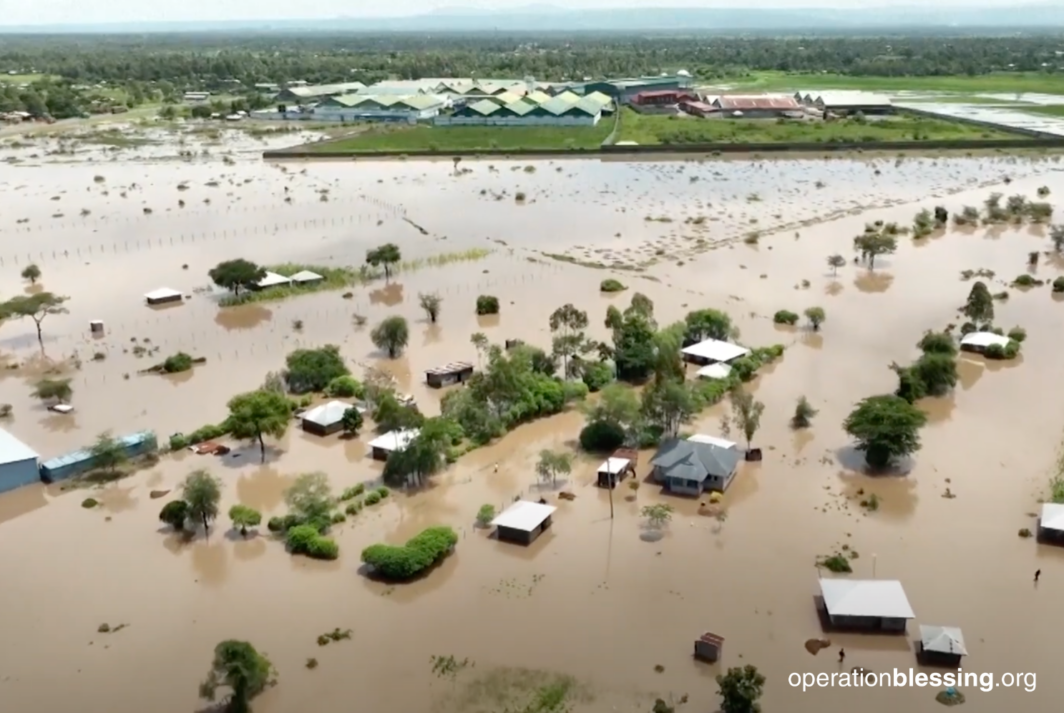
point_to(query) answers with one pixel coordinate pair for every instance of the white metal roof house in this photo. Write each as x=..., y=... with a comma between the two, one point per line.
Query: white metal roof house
x=941, y=645
x=19, y=464
x=852, y=102
x=979, y=341
x=272, y=279
x=1051, y=522
x=163, y=295
x=306, y=277
x=866, y=604
x=714, y=371
x=382, y=446
x=325, y=419
x=523, y=521
x=712, y=351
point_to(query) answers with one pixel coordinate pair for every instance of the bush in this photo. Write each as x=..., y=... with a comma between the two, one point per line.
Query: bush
x=418, y=554
x=836, y=563
x=372, y=498
x=486, y=304
x=323, y=548
x=345, y=386
x=275, y=524
x=306, y=540
x=353, y=492
x=1024, y=533
x=174, y=514
x=612, y=285
x=785, y=317
x=1026, y=280
x=177, y=363
x=995, y=351
x=601, y=437
x=1058, y=284
x=383, y=492
x=1017, y=334
x=353, y=508
x=485, y=515
x=597, y=374
x=89, y=503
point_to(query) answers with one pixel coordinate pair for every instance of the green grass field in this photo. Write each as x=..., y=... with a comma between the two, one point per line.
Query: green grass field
x=469, y=138
x=672, y=130
x=22, y=78
x=1002, y=82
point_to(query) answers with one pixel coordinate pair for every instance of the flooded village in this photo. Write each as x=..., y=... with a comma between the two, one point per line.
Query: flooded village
x=125, y=612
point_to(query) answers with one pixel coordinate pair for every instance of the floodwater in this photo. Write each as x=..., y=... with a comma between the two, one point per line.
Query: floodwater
x=592, y=599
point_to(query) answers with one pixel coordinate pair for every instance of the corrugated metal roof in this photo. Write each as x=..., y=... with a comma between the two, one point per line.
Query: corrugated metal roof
x=12, y=450
x=484, y=107
x=943, y=639
x=519, y=108
x=569, y=97
x=421, y=102
x=866, y=597
x=747, y=103
x=599, y=98
x=692, y=460
x=538, y=97
x=507, y=98
x=324, y=90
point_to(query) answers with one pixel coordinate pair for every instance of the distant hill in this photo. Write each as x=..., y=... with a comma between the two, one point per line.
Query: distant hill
x=549, y=18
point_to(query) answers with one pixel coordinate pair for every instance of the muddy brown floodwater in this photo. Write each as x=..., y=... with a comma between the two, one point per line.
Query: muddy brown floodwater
x=592, y=599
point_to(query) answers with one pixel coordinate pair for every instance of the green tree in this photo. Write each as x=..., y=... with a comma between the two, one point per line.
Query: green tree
x=835, y=262
x=431, y=303
x=37, y=307
x=391, y=335
x=424, y=455
x=633, y=346
x=617, y=404
x=937, y=343
x=740, y=689
x=885, y=427
x=257, y=414
x=657, y=515
x=816, y=317
x=31, y=273
x=384, y=256
x=244, y=517
x=551, y=463
x=351, y=421
x=668, y=405
x=803, y=413
x=202, y=491
x=485, y=515
x=310, y=498
x=1056, y=234
x=872, y=245
x=980, y=305
x=746, y=413
x=705, y=324
x=233, y=275
x=174, y=514
x=312, y=369
x=480, y=342
x=390, y=415
x=108, y=452
x=567, y=324
x=58, y=390
x=240, y=668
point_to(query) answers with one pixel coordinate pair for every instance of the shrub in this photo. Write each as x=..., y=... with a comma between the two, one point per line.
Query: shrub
x=486, y=304
x=372, y=498
x=353, y=492
x=323, y=548
x=1017, y=334
x=383, y=492
x=1026, y=280
x=275, y=524
x=836, y=563
x=177, y=363
x=1058, y=284
x=306, y=540
x=485, y=515
x=995, y=351
x=601, y=436
x=418, y=554
x=353, y=508
x=1024, y=532
x=611, y=285
x=174, y=514
x=345, y=386
x=89, y=503
x=785, y=317
x=597, y=374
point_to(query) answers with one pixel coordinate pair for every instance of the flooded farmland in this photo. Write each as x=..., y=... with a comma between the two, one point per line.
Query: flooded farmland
x=592, y=599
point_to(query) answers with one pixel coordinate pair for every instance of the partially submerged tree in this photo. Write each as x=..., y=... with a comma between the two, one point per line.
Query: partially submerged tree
x=351, y=422
x=885, y=427
x=202, y=491
x=31, y=273
x=310, y=498
x=835, y=262
x=872, y=245
x=816, y=317
x=174, y=514
x=980, y=304
x=480, y=342
x=312, y=369
x=257, y=414
x=234, y=275
x=668, y=404
x=657, y=515
x=58, y=390
x=108, y=452
x=244, y=517
x=803, y=413
x=392, y=335
x=551, y=463
x=567, y=324
x=431, y=303
x=746, y=413
x=705, y=324
x=238, y=667
x=1056, y=234
x=37, y=307
x=740, y=689
x=384, y=256
x=424, y=455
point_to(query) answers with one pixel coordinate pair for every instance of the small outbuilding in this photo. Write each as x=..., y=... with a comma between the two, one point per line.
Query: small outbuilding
x=272, y=279
x=1051, y=523
x=325, y=419
x=866, y=604
x=162, y=296
x=19, y=464
x=383, y=446
x=708, y=647
x=979, y=341
x=719, y=371
x=713, y=351
x=941, y=646
x=306, y=277
x=456, y=372
x=523, y=521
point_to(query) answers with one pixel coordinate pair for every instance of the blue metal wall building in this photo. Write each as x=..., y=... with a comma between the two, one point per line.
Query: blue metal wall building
x=19, y=464
x=78, y=462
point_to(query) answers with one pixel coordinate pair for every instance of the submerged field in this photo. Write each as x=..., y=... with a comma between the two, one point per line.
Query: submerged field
x=602, y=613
x=470, y=138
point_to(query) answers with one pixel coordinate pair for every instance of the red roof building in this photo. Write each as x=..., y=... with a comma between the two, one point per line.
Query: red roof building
x=696, y=108
x=662, y=97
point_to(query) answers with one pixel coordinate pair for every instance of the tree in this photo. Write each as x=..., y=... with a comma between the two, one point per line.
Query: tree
x=668, y=405
x=390, y=415
x=391, y=335
x=803, y=413
x=174, y=514
x=57, y=389
x=240, y=668
x=424, y=455
x=885, y=427
x=617, y=404
x=384, y=256
x=657, y=515
x=835, y=262
x=872, y=245
x=980, y=305
x=1056, y=234
x=244, y=517
x=36, y=307
x=740, y=689
x=485, y=515
x=816, y=316
x=202, y=491
x=233, y=275
x=567, y=324
x=310, y=499
x=480, y=342
x=312, y=369
x=937, y=343
x=933, y=374
x=108, y=453
x=746, y=413
x=705, y=324
x=641, y=304
x=351, y=421
x=633, y=346
x=31, y=273
x=431, y=303
x=552, y=463
x=257, y=414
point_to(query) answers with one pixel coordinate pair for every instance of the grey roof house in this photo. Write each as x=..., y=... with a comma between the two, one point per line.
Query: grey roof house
x=692, y=467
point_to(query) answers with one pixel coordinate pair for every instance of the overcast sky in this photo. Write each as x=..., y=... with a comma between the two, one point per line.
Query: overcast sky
x=34, y=12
